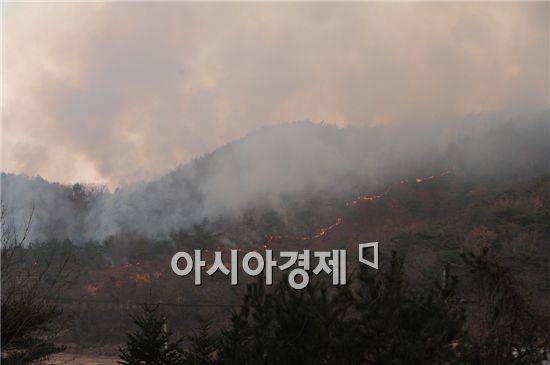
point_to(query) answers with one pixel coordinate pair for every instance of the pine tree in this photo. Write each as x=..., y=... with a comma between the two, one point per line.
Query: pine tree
x=400, y=326
x=151, y=345
x=378, y=319
x=203, y=346
x=282, y=325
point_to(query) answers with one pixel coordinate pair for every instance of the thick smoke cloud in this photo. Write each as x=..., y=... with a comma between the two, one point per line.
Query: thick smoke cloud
x=116, y=93
x=275, y=165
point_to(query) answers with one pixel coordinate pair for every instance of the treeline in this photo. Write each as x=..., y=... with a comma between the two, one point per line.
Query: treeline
x=513, y=225
x=132, y=247
x=376, y=319
x=116, y=250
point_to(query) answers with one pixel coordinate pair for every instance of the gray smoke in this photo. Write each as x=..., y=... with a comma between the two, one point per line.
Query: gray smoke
x=277, y=162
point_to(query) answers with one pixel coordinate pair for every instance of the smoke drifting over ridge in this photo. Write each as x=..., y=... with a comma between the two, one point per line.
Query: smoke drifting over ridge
x=282, y=161
x=116, y=93
x=120, y=92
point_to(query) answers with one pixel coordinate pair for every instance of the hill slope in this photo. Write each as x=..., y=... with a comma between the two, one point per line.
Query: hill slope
x=277, y=169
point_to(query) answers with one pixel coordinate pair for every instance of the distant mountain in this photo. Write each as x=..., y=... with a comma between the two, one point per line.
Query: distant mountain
x=277, y=169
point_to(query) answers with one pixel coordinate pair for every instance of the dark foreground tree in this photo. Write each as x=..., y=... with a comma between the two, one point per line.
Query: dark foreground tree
x=505, y=328
x=203, y=346
x=150, y=344
x=288, y=326
x=30, y=286
x=377, y=319
x=397, y=325
x=26, y=331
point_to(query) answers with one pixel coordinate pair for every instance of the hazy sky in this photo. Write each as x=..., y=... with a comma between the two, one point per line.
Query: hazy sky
x=114, y=93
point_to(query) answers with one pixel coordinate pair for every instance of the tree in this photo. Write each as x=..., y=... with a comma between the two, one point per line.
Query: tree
x=203, y=346
x=397, y=325
x=30, y=287
x=377, y=319
x=287, y=326
x=505, y=328
x=150, y=344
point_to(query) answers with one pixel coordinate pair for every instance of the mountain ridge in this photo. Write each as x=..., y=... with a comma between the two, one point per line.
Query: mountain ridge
x=271, y=166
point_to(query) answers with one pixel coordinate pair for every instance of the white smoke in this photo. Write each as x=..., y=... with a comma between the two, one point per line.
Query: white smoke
x=277, y=162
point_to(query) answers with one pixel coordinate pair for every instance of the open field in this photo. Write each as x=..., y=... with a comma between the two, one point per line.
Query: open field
x=75, y=359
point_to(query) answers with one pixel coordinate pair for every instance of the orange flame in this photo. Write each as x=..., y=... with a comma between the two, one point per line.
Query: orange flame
x=91, y=289
x=322, y=231
x=142, y=278
x=363, y=198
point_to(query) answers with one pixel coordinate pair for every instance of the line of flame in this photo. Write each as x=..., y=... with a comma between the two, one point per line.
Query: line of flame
x=363, y=198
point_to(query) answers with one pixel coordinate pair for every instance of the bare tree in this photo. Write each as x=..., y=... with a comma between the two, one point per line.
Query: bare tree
x=505, y=327
x=30, y=286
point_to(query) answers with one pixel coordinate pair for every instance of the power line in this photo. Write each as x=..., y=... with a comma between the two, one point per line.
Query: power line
x=132, y=303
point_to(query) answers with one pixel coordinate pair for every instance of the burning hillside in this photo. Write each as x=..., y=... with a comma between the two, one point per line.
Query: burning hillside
x=276, y=168
x=360, y=199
